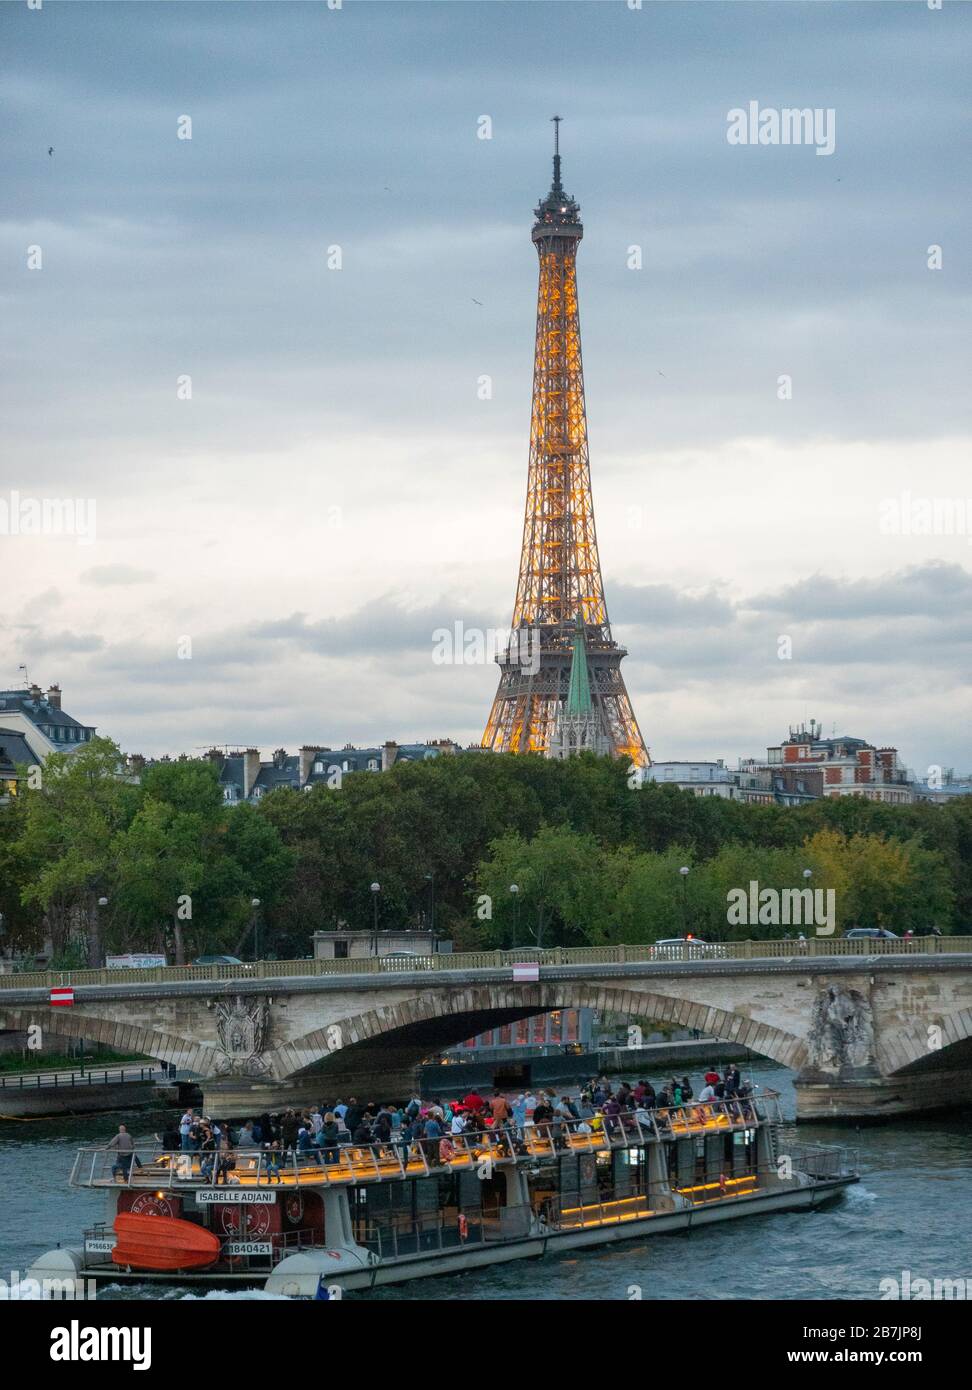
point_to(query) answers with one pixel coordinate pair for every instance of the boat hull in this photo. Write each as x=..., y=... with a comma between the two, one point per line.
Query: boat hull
x=304, y=1284
x=298, y=1276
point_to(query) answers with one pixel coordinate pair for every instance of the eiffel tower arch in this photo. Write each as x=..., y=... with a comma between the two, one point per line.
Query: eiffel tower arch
x=559, y=589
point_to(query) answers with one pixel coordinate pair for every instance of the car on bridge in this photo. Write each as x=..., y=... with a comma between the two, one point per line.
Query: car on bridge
x=687, y=948
x=870, y=933
x=400, y=958
x=218, y=960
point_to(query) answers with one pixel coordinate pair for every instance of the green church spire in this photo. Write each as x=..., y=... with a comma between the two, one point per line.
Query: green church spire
x=579, y=692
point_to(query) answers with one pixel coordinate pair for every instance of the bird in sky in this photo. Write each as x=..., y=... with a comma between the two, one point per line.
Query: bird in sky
x=50, y=149
x=479, y=302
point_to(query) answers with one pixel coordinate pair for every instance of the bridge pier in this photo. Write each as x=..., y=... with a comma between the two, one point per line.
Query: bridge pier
x=868, y=1096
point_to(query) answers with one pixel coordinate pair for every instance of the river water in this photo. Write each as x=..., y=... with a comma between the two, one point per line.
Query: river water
x=911, y=1211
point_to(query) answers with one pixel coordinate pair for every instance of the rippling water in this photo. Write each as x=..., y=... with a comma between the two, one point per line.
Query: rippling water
x=910, y=1211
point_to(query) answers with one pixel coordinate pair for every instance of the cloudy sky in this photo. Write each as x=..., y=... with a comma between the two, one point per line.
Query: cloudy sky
x=335, y=489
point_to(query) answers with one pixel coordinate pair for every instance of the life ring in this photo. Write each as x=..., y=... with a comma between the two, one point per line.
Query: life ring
x=463, y=1227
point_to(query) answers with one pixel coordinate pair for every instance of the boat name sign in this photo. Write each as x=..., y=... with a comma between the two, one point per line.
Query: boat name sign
x=229, y=1194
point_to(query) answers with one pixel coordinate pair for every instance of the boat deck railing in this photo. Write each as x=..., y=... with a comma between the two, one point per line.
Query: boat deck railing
x=350, y=1164
x=820, y=1161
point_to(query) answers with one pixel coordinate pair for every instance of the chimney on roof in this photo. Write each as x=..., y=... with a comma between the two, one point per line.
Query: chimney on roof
x=251, y=770
x=36, y=694
x=280, y=757
x=389, y=753
x=215, y=755
x=54, y=697
x=307, y=754
x=137, y=764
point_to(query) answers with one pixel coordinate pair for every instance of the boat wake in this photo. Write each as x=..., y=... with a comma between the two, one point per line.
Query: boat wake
x=859, y=1196
x=234, y=1296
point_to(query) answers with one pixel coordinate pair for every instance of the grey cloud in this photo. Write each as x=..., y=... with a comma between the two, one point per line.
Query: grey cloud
x=928, y=590
x=108, y=576
x=54, y=644
x=663, y=605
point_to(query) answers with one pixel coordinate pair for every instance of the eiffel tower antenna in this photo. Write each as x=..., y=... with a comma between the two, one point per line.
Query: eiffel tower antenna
x=559, y=588
x=558, y=186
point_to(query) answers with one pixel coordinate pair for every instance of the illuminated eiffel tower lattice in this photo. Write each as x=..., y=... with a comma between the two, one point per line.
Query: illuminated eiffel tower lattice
x=559, y=590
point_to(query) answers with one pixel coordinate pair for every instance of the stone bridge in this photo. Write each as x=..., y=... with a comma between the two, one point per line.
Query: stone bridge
x=866, y=1036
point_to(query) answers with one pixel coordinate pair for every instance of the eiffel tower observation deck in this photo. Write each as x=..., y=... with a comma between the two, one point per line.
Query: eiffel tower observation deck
x=560, y=584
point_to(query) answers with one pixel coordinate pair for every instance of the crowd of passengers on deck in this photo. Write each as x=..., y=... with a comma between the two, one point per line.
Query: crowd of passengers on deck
x=438, y=1130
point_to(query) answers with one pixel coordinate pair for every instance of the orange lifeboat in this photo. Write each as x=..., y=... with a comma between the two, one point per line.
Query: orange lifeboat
x=162, y=1243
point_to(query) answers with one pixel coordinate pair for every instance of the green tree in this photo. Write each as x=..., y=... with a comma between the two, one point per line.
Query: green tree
x=560, y=878
x=65, y=847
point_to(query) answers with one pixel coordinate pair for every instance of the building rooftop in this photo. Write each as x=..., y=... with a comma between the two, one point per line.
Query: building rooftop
x=14, y=749
x=42, y=712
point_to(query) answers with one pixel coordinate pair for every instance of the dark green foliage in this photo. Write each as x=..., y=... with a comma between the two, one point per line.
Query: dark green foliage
x=595, y=857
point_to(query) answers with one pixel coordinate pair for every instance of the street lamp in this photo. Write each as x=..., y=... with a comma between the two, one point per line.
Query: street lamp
x=515, y=890
x=684, y=873
x=375, y=890
x=430, y=879
x=255, y=905
x=94, y=938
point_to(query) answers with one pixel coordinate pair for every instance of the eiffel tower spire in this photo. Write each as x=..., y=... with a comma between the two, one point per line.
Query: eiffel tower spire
x=560, y=582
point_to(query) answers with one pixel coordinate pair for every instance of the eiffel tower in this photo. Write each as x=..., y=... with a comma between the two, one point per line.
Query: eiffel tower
x=560, y=607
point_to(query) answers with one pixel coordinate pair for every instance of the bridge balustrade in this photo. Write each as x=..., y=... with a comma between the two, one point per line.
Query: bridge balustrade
x=689, y=951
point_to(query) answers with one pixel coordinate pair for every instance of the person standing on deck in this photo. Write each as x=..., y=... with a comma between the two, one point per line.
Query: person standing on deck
x=289, y=1129
x=383, y=1126
x=273, y=1161
x=328, y=1138
x=225, y=1159
x=430, y=1141
x=499, y=1108
x=124, y=1146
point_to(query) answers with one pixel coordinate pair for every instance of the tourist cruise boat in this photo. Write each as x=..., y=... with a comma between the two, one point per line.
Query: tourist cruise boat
x=390, y=1213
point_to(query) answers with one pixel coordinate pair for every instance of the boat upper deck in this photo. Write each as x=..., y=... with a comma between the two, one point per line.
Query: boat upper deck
x=349, y=1164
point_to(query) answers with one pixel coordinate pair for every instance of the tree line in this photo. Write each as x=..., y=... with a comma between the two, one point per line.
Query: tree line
x=93, y=859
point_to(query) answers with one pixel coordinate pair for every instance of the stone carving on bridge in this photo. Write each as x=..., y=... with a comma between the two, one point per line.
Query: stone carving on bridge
x=243, y=1028
x=841, y=1033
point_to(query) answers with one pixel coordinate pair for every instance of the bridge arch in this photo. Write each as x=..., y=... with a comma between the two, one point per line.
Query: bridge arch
x=939, y=1041
x=428, y=1022
x=185, y=1053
